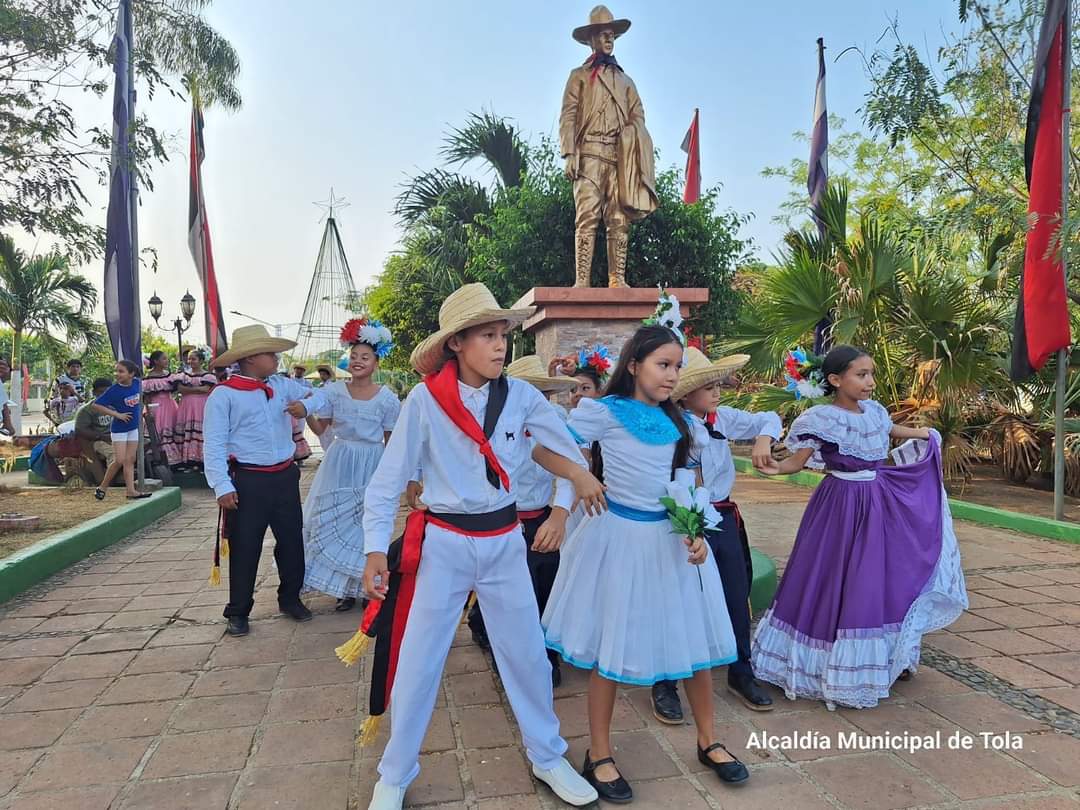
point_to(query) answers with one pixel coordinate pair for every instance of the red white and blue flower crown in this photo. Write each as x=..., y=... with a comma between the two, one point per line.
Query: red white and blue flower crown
x=369, y=332
x=596, y=360
x=802, y=371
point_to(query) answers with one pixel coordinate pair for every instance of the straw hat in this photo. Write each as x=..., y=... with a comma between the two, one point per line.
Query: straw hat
x=700, y=371
x=335, y=373
x=599, y=19
x=471, y=305
x=249, y=340
x=531, y=369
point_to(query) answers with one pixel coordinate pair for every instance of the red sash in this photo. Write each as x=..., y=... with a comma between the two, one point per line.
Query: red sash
x=443, y=385
x=239, y=382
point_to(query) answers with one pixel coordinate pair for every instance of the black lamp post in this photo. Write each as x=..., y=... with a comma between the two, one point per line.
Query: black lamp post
x=187, y=309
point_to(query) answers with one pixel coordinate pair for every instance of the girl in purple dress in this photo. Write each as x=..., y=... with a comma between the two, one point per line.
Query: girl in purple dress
x=875, y=564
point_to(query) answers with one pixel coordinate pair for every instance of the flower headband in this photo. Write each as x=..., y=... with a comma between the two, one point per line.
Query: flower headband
x=369, y=332
x=596, y=360
x=667, y=314
x=803, y=374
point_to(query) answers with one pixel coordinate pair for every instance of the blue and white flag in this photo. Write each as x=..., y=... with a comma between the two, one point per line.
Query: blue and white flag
x=818, y=174
x=121, y=263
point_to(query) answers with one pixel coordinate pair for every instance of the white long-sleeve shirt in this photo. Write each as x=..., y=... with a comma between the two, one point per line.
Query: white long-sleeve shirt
x=247, y=426
x=717, y=468
x=454, y=473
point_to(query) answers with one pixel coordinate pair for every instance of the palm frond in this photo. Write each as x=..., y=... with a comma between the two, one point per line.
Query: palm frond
x=492, y=139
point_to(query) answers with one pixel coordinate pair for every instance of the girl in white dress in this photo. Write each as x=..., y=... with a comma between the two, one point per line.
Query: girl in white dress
x=361, y=415
x=632, y=602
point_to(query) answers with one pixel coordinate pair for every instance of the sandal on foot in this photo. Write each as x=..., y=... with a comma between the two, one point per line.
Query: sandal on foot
x=99, y=493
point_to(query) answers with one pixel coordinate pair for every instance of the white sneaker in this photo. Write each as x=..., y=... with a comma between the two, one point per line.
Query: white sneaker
x=386, y=797
x=567, y=784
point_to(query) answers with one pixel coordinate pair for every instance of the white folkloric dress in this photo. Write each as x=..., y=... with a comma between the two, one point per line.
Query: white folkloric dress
x=626, y=601
x=334, y=509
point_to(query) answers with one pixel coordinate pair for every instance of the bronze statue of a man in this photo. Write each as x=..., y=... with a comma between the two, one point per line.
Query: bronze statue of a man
x=608, y=151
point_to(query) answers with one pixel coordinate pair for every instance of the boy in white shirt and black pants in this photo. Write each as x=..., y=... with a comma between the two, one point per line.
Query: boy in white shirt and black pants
x=248, y=461
x=465, y=427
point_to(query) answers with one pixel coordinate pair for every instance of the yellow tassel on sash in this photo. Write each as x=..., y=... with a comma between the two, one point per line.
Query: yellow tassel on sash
x=468, y=606
x=223, y=549
x=351, y=650
x=369, y=730
x=215, y=575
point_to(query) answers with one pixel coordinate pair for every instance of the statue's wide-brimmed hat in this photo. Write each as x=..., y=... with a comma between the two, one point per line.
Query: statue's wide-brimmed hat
x=530, y=369
x=700, y=371
x=472, y=305
x=249, y=340
x=599, y=19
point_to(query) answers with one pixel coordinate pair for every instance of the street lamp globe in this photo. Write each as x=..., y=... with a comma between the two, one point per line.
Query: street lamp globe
x=187, y=305
x=155, y=306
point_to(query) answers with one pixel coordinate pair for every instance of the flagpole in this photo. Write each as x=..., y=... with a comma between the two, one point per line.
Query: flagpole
x=1063, y=354
x=133, y=218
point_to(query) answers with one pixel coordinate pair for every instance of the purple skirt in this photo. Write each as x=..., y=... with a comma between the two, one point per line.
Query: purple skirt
x=874, y=567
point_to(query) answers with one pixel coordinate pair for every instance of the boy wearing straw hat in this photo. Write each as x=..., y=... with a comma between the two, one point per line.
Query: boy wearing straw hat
x=542, y=525
x=248, y=456
x=465, y=427
x=698, y=391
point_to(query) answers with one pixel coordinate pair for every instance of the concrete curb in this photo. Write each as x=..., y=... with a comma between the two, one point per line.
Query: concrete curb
x=763, y=588
x=964, y=510
x=29, y=566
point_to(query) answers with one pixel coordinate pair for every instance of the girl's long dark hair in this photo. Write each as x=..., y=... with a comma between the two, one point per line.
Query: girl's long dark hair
x=131, y=367
x=644, y=342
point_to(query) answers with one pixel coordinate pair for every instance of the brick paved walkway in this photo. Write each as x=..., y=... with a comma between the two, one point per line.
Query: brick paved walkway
x=118, y=690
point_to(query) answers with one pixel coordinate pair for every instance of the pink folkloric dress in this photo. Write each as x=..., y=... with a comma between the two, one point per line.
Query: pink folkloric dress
x=189, y=419
x=158, y=391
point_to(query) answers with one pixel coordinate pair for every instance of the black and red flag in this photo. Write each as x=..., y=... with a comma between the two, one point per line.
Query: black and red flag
x=199, y=234
x=1042, y=313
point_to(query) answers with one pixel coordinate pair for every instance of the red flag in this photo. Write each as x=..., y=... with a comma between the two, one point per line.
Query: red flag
x=691, y=145
x=199, y=234
x=1042, y=313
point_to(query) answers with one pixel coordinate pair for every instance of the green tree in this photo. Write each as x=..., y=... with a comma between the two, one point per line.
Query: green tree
x=53, y=49
x=41, y=296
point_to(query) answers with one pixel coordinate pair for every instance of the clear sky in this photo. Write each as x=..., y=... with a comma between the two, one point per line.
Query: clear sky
x=356, y=94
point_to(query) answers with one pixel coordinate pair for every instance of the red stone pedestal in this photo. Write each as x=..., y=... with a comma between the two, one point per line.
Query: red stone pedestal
x=568, y=318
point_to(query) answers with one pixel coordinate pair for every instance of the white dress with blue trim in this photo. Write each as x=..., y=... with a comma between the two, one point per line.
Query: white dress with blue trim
x=626, y=601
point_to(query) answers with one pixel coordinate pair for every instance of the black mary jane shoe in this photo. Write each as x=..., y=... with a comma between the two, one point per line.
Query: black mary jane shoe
x=238, y=626
x=345, y=604
x=666, y=705
x=904, y=676
x=618, y=791
x=734, y=772
x=99, y=493
x=749, y=691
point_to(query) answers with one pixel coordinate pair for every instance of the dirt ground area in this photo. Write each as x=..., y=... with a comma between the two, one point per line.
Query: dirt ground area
x=59, y=508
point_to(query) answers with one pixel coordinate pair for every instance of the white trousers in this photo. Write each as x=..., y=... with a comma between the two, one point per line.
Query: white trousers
x=452, y=565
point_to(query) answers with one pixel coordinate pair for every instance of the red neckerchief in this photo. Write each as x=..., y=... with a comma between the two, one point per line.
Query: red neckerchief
x=443, y=385
x=242, y=383
x=710, y=418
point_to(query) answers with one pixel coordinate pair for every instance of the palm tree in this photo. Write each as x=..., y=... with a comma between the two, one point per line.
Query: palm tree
x=40, y=295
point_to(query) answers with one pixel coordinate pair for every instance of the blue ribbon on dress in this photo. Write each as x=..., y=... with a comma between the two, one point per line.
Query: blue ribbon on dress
x=640, y=515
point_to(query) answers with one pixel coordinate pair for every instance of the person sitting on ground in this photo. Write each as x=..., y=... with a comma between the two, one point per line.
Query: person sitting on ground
x=93, y=430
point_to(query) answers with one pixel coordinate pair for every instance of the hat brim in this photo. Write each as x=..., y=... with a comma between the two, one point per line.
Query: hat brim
x=548, y=385
x=428, y=357
x=720, y=369
x=236, y=354
x=584, y=33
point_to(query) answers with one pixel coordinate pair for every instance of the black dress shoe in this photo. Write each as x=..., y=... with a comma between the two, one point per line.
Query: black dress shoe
x=298, y=612
x=238, y=626
x=733, y=772
x=348, y=603
x=618, y=791
x=749, y=691
x=665, y=703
